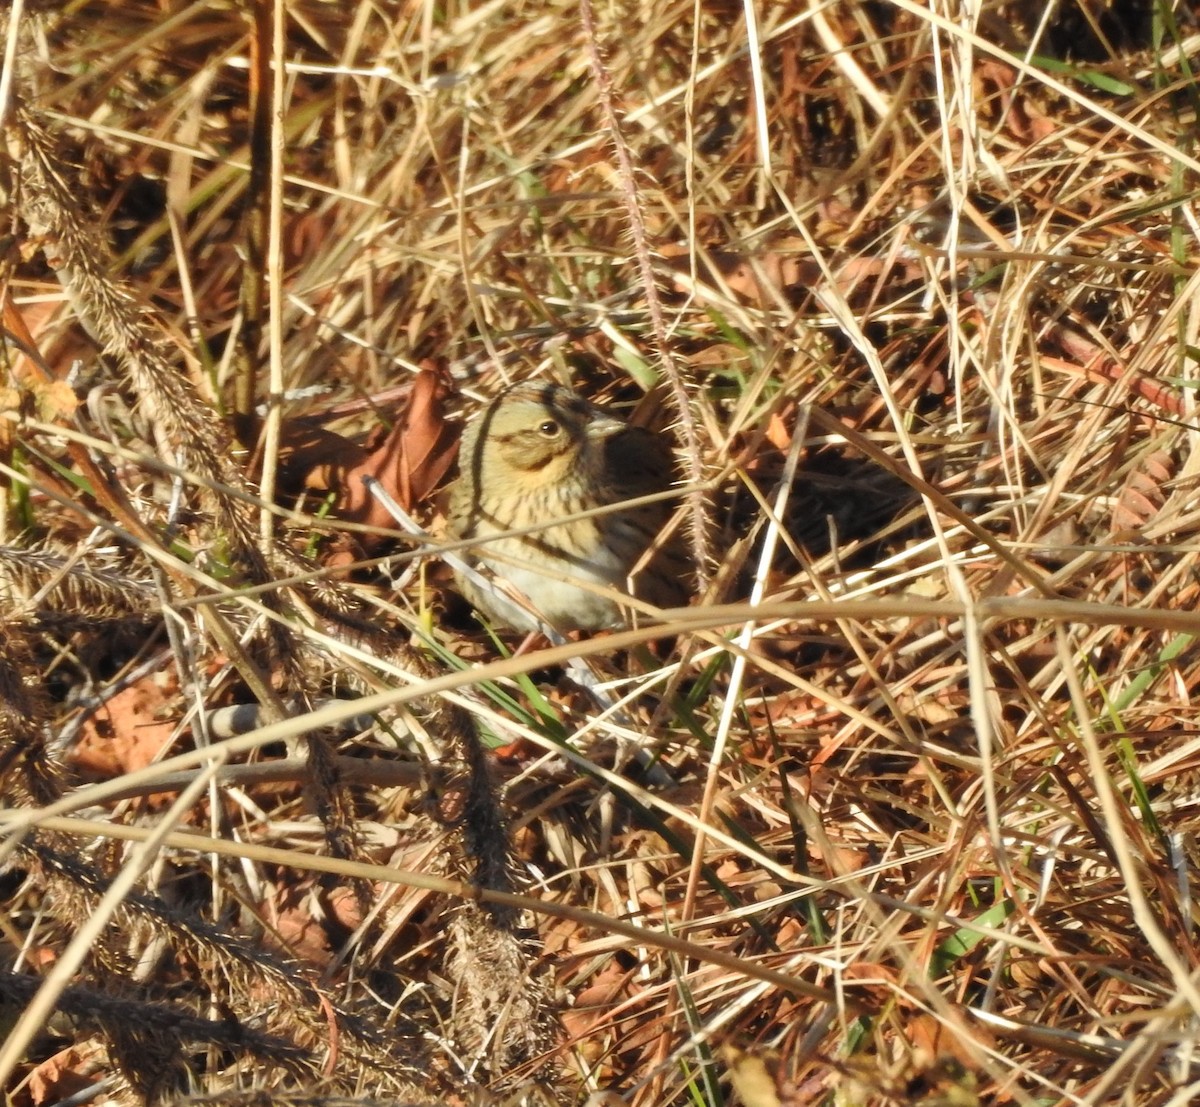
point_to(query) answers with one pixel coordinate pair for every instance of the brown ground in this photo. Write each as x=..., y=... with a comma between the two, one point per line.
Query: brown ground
x=921, y=830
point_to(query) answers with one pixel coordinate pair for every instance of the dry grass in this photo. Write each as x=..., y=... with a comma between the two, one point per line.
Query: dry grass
x=922, y=830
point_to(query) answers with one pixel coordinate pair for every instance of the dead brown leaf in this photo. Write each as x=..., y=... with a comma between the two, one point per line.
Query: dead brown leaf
x=69, y=1071
x=934, y=1041
x=131, y=729
x=302, y=918
x=54, y=400
x=409, y=461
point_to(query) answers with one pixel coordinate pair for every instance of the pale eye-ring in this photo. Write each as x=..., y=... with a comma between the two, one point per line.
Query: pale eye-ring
x=549, y=428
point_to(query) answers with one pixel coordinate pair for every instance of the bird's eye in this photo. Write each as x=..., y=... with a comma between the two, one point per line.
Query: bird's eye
x=549, y=428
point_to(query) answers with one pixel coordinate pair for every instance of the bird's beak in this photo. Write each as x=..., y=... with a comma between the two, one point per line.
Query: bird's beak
x=604, y=426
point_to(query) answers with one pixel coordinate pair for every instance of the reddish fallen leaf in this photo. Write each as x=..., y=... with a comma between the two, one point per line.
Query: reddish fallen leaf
x=313, y=458
x=37, y=390
x=934, y=1041
x=1022, y=115
x=872, y=977
x=409, y=463
x=593, y=1005
x=520, y=749
x=27, y=367
x=301, y=921
x=427, y=446
x=778, y=433
x=131, y=730
x=69, y=1071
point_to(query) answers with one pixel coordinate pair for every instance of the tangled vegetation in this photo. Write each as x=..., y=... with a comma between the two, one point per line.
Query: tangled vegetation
x=898, y=810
